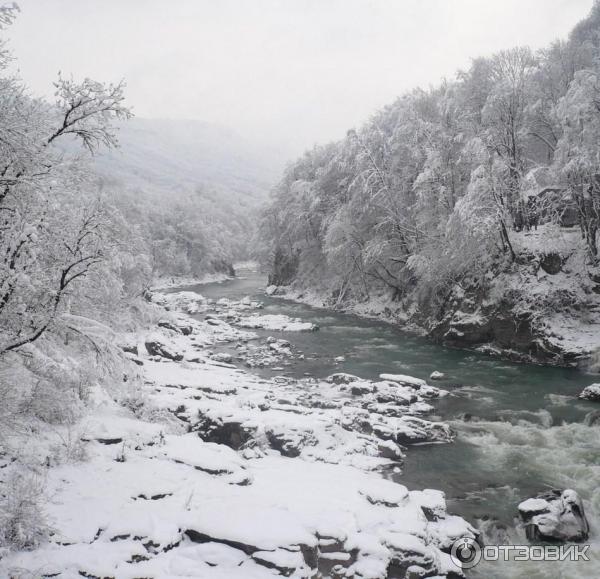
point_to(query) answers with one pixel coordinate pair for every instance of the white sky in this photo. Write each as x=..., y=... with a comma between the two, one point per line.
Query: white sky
x=285, y=72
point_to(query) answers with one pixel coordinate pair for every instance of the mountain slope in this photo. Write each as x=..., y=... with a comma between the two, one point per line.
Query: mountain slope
x=190, y=188
x=177, y=155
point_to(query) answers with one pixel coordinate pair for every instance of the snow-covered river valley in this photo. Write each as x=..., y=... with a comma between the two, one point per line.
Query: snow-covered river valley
x=520, y=428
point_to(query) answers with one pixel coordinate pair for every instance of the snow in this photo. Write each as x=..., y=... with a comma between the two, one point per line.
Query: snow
x=591, y=392
x=533, y=505
x=248, y=478
x=386, y=493
x=277, y=322
x=404, y=380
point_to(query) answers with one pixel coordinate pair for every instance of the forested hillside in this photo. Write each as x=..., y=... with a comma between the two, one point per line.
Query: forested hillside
x=470, y=209
x=191, y=188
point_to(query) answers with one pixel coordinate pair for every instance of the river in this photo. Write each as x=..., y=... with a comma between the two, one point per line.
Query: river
x=520, y=428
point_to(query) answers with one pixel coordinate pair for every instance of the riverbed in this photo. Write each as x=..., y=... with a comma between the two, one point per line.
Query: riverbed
x=520, y=428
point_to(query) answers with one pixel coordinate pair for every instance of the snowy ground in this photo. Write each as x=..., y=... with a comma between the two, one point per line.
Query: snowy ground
x=213, y=472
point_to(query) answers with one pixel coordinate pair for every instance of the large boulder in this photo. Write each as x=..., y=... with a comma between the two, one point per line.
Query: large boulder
x=555, y=516
x=231, y=433
x=157, y=348
x=591, y=393
x=551, y=263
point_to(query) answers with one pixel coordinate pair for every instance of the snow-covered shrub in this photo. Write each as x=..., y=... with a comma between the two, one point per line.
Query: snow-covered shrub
x=23, y=524
x=54, y=403
x=71, y=446
x=135, y=399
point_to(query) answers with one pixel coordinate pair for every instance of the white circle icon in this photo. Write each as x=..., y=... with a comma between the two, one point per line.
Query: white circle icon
x=465, y=553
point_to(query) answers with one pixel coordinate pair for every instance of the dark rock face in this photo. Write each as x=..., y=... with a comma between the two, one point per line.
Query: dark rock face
x=185, y=329
x=232, y=434
x=198, y=537
x=156, y=348
x=223, y=266
x=551, y=263
x=107, y=441
x=499, y=327
x=129, y=349
x=168, y=325
x=555, y=516
x=284, y=268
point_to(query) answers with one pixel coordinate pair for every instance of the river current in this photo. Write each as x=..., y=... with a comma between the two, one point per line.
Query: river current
x=520, y=428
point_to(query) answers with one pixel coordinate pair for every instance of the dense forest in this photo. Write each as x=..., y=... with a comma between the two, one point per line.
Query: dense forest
x=84, y=234
x=191, y=190
x=455, y=196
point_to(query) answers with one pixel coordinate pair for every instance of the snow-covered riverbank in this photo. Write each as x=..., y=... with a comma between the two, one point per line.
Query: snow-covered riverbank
x=543, y=308
x=206, y=470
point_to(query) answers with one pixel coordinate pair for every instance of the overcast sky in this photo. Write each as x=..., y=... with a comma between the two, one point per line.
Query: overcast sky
x=290, y=72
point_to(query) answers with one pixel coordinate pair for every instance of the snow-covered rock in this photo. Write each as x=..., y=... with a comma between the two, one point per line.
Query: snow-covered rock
x=275, y=290
x=404, y=380
x=186, y=301
x=155, y=346
x=384, y=492
x=591, y=392
x=342, y=378
x=276, y=322
x=555, y=516
x=235, y=476
x=435, y=375
x=222, y=357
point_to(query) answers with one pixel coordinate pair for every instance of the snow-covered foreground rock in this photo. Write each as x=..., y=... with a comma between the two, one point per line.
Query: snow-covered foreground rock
x=213, y=472
x=555, y=516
